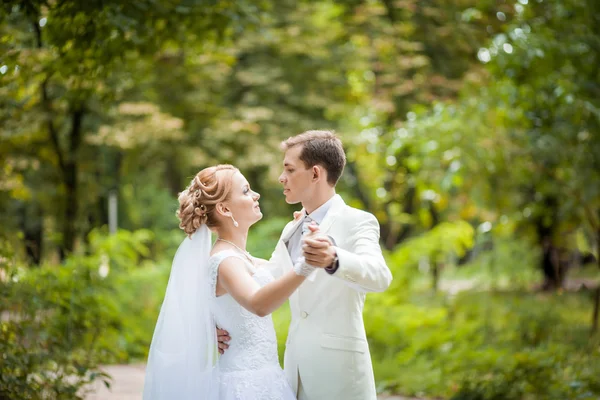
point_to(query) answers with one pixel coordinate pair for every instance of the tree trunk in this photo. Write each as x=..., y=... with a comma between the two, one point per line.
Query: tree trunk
x=597, y=292
x=359, y=192
x=596, y=310
x=435, y=274
x=31, y=221
x=172, y=175
x=67, y=162
x=550, y=263
x=409, y=208
x=70, y=180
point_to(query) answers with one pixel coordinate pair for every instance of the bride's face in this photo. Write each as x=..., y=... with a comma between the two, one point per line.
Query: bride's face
x=243, y=201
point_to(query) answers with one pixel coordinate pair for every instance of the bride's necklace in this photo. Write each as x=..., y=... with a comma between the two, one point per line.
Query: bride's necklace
x=244, y=252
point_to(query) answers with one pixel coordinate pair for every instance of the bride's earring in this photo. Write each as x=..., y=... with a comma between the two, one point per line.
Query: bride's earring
x=234, y=222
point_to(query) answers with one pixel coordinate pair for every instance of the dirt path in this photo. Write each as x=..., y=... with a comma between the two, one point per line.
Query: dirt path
x=127, y=383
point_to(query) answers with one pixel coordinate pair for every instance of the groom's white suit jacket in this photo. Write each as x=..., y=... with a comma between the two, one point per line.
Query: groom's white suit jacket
x=326, y=343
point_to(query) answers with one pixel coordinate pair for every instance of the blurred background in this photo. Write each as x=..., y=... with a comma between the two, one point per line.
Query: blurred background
x=472, y=130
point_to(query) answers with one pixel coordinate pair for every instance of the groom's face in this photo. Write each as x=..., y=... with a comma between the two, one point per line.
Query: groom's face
x=296, y=178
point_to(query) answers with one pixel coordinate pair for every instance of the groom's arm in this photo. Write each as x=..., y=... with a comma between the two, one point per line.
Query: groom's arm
x=363, y=267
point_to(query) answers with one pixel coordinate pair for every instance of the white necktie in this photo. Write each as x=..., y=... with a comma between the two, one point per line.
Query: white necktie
x=305, y=231
x=305, y=224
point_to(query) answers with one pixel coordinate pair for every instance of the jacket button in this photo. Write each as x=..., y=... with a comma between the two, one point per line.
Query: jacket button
x=304, y=314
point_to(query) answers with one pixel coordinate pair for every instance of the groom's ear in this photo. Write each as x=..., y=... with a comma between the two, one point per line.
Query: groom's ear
x=317, y=172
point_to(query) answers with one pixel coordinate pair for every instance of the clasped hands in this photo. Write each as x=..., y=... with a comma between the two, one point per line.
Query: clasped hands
x=317, y=250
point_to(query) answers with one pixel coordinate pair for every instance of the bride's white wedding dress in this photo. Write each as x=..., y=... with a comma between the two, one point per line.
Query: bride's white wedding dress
x=183, y=362
x=249, y=369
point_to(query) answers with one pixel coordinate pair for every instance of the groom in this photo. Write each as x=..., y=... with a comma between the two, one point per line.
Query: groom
x=327, y=355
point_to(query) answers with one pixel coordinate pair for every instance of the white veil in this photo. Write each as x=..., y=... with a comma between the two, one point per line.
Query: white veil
x=183, y=352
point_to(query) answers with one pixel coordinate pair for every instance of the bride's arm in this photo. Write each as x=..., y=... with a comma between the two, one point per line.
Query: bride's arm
x=235, y=279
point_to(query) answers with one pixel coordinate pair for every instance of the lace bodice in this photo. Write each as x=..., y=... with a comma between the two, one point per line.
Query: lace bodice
x=253, y=344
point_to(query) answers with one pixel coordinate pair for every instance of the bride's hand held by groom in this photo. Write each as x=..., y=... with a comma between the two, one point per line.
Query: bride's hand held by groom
x=317, y=248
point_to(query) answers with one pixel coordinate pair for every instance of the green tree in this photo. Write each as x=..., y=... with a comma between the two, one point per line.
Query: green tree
x=64, y=65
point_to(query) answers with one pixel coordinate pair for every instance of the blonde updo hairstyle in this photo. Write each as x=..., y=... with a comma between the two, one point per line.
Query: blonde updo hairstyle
x=197, y=202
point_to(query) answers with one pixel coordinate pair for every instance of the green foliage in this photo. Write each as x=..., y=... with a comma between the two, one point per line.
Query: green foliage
x=281, y=320
x=139, y=294
x=52, y=319
x=484, y=346
x=59, y=323
x=530, y=375
x=455, y=115
x=508, y=265
x=76, y=83
x=538, y=103
x=436, y=247
x=263, y=236
x=448, y=238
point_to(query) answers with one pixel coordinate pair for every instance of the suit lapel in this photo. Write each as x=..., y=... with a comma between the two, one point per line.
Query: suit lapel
x=283, y=256
x=287, y=233
x=337, y=206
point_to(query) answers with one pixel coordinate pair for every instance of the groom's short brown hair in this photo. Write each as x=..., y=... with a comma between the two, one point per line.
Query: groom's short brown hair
x=322, y=148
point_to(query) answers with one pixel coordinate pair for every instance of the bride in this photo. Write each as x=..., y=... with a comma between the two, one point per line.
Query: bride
x=220, y=286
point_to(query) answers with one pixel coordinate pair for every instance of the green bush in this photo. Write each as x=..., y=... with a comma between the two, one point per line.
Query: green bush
x=484, y=346
x=52, y=320
x=140, y=294
x=527, y=375
x=512, y=263
x=60, y=322
x=434, y=248
x=263, y=237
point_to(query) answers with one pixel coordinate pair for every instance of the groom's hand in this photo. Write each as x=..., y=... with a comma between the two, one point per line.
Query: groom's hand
x=318, y=249
x=223, y=340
